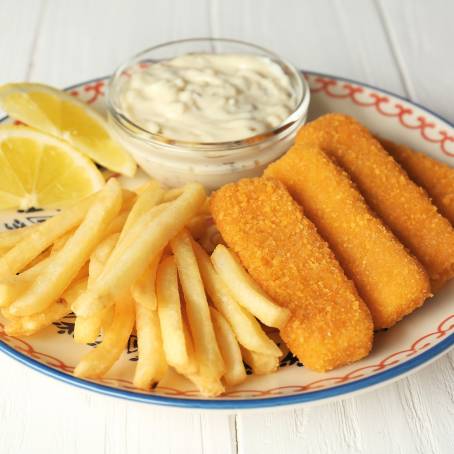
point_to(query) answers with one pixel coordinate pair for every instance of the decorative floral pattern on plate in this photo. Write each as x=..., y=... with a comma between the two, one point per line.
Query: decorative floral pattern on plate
x=415, y=341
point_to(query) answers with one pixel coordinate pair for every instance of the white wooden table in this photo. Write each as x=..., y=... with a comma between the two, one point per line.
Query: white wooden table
x=401, y=45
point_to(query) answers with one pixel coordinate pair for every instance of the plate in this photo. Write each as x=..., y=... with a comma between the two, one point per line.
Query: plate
x=411, y=344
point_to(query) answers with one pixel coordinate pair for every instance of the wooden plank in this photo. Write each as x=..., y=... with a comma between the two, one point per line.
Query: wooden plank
x=344, y=38
x=19, y=26
x=42, y=415
x=218, y=433
x=422, y=35
x=328, y=428
x=85, y=39
x=428, y=402
x=413, y=415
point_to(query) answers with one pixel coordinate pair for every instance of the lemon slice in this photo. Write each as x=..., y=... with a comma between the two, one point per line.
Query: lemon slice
x=61, y=115
x=37, y=170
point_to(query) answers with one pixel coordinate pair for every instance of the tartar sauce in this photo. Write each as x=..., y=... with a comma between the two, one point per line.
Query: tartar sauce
x=209, y=97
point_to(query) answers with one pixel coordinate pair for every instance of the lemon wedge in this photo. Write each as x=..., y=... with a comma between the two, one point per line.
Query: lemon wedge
x=37, y=170
x=63, y=116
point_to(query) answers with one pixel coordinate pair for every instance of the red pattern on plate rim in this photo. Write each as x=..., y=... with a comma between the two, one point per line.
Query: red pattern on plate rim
x=97, y=89
x=334, y=89
x=424, y=342
x=363, y=97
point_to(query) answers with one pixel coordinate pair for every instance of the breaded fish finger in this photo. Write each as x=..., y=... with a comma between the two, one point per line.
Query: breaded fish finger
x=403, y=206
x=434, y=176
x=389, y=279
x=330, y=325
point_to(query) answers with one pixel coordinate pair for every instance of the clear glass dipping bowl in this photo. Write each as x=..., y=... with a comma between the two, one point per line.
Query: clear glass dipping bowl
x=175, y=162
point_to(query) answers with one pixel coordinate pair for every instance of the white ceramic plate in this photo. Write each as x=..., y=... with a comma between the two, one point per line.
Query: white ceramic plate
x=412, y=343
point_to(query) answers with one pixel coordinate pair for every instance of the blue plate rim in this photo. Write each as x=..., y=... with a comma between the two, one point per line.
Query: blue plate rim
x=254, y=403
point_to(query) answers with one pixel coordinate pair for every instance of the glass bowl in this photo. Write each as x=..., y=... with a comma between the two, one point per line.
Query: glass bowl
x=176, y=162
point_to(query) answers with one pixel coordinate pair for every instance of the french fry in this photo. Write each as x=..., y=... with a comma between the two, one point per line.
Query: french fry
x=149, y=197
x=153, y=213
x=192, y=367
x=86, y=329
x=41, y=237
x=34, y=271
x=246, y=328
x=38, y=259
x=205, y=208
x=28, y=325
x=64, y=266
x=144, y=289
x=4, y=250
x=107, y=317
x=172, y=194
x=6, y=314
x=139, y=189
x=60, y=242
x=210, y=238
x=235, y=372
x=140, y=249
x=199, y=224
x=171, y=379
x=13, y=287
x=128, y=200
x=117, y=224
x=100, y=255
x=100, y=360
x=151, y=365
x=83, y=272
x=207, y=386
x=174, y=379
x=245, y=290
x=260, y=364
x=208, y=356
x=170, y=316
x=74, y=290
x=94, y=268
x=9, y=238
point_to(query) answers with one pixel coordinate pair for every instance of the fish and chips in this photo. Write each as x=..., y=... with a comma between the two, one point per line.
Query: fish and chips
x=341, y=236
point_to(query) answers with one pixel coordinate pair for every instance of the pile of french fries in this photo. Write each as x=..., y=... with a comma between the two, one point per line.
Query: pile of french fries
x=122, y=261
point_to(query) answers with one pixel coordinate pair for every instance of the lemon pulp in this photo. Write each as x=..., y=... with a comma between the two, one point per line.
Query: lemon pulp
x=61, y=115
x=37, y=170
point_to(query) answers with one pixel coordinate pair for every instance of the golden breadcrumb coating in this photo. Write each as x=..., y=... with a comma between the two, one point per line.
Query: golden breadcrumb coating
x=403, y=206
x=330, y=324
x=388, y=278
x=434, y=176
